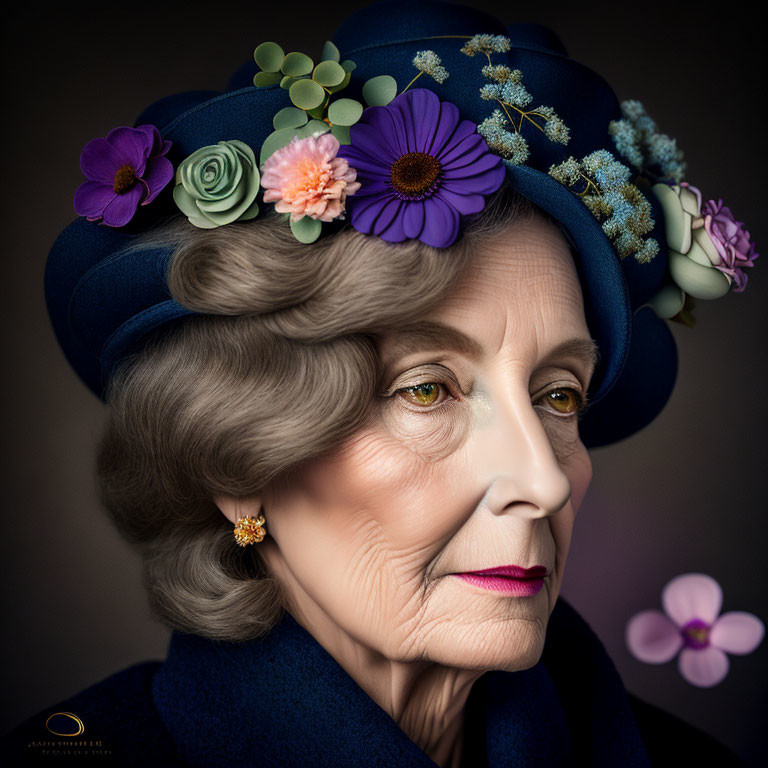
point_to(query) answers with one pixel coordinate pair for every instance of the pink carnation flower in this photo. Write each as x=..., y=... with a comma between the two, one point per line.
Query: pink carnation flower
x=692, y=626
x=305, y=178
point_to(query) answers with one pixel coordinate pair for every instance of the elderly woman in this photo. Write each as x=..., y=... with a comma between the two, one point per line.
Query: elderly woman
x=375, y=344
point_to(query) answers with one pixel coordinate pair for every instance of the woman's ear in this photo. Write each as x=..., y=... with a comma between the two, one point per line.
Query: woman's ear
x=234, y=508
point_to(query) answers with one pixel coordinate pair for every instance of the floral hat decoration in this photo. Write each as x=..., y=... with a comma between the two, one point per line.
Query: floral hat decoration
x=410, y=118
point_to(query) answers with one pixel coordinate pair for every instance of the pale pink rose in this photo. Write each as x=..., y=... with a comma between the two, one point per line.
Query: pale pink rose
x=305, y=178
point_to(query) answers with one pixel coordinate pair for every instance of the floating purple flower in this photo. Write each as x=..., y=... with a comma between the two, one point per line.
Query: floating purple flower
x=124, y=169
x=420, y=167
x=692, y=622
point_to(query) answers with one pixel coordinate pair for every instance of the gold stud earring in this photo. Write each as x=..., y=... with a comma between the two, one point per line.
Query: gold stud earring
x=250, y=530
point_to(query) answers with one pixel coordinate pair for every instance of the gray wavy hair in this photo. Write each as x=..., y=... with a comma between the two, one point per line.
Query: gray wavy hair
x=279, y=367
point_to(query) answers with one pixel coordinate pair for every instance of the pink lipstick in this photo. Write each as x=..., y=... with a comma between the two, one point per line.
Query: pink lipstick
x=508, y=579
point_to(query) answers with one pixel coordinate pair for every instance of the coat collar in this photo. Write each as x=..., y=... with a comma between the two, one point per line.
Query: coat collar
x=283, y=700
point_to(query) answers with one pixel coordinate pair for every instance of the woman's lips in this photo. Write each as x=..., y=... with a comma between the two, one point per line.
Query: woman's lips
x=508, y=579
x=514, y=572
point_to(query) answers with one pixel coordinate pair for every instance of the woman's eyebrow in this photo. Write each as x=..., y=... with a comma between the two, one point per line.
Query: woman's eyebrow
x=433, y=335
x=583, y=349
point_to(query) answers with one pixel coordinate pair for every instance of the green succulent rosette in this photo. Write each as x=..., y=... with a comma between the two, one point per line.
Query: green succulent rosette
x=218, y=185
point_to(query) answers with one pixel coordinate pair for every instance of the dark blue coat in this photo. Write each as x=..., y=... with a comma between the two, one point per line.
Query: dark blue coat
x=284, y=701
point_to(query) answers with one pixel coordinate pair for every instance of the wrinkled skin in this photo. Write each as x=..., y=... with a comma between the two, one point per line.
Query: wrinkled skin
x=486, y=469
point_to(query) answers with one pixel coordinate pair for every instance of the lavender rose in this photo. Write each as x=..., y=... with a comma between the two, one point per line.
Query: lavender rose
x=731, y=240
x=707, y=246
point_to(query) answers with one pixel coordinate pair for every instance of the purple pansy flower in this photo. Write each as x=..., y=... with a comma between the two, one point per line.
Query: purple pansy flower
x=124, y=169
x=691, y=621
x=420, y=167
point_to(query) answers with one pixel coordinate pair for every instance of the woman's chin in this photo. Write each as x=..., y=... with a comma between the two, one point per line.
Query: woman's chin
x=509, y=644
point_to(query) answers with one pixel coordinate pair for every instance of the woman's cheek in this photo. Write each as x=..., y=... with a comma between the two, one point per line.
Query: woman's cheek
x=570, y=452
x=577, y=466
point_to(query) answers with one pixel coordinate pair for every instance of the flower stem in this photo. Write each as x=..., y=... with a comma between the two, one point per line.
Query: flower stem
x=509, y=117
x=523, y=116
x=526, y=115
x=590, y=183
x=412, y=82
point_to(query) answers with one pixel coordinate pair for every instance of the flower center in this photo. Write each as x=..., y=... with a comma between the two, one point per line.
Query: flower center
x=414, y=175
x=696, y=634
x=210, y=172
x=308, y=179
x=125, y=178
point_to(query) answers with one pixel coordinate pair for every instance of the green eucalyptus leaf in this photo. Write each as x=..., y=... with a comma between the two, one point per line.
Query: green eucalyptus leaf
x=314, y=128
x=276, y=140
x=344, y=111
x=269, y=57
x=289, y=80
x=341, y=132
x=289, y=117
x=306, y=94
x=328, y=73
x=380, y=90
x=330, y=51
x=317, y=112
x=296, y=64
x=342, y=85
x=348, y=65
x=306, y=230
x=263, y=79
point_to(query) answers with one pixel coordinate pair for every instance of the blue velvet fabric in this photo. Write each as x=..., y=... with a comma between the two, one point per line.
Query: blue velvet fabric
x=103, y=301
x=284, y=701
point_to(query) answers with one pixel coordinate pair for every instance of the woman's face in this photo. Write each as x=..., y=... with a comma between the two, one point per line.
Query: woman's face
x=473, y=461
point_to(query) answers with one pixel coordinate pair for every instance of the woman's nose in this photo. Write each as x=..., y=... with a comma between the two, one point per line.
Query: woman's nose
x=513, y=455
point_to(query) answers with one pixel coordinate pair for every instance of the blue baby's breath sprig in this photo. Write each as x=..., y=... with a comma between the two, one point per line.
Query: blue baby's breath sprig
x=516, y=94
x=428, y=63
x=638, y=140
x=603, y=184
x=501, y=73
x=502, y=131
x=512, y=147
x=490, y=92
x=556, y=130
x=625, y=138
x=486, y=44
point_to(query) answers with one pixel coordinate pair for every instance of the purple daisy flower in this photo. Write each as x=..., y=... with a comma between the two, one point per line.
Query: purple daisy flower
x=420, y=167
x=124, y=169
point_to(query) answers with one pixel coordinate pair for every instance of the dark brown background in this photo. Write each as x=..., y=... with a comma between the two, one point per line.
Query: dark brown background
x=686, y=494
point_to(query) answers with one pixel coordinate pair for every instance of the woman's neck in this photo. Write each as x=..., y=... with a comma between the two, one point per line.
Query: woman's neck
x=426, y=700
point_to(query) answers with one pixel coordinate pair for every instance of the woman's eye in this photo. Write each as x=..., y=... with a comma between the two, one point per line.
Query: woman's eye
x=565, y=400
x=423, y=395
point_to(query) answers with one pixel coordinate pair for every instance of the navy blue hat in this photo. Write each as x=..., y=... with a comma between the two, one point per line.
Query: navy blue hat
x=103, y=303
